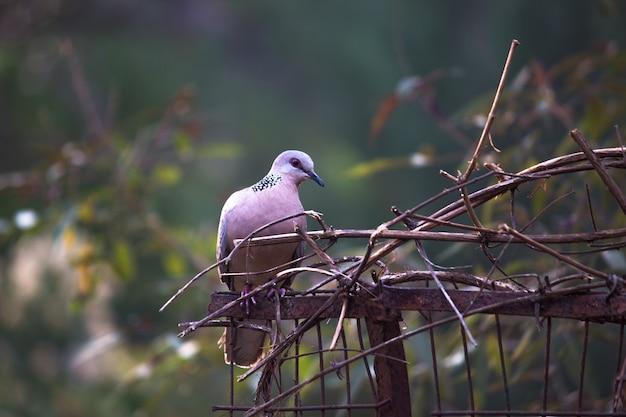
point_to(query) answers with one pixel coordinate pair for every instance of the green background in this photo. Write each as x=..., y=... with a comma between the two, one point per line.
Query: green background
x=124, y=125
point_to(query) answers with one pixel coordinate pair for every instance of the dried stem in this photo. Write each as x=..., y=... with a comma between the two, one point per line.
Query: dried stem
x=608, y=180
x=83, y=92
x=543, y=248
x=492, y=113
x=484, y=136
x=422, y=253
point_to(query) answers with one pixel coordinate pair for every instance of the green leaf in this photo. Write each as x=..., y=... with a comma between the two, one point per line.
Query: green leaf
x=174, y=264
x=165, y=174
x=366, y=169
x=123, y=260
x=226, y=150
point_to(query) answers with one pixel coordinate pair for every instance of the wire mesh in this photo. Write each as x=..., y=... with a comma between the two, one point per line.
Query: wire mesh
x=349, y=386
x=497, y=378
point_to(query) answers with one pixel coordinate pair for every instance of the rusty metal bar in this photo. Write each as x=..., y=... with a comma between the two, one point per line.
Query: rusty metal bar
x=296, y=373
x=390, y=367
x=231, y=370
x=505, y=381
x=583, y=362
x=366, y=365
x=347, y=372
x=618, y=382
x=390, y=301
x=546, y=368
x=433, y=355
x=320, y=356
x=468, y=371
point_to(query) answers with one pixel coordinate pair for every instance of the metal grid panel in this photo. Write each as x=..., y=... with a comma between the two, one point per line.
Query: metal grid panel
x=482, y=381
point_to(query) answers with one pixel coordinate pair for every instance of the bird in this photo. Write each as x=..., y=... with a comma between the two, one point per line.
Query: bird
x=272, y=198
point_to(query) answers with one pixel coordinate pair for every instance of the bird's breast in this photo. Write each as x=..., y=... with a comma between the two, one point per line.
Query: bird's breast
x=260, y=263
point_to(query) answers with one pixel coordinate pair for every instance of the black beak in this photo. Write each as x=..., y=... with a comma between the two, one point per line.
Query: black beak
x=315, y=178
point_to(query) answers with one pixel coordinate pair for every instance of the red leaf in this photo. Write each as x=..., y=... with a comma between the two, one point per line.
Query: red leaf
x=383, y=113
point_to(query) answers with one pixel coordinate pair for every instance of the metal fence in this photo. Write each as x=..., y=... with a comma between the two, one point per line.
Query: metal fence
x=541, y=337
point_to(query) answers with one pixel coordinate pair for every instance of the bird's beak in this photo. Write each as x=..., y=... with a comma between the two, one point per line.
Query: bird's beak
x=315, y=178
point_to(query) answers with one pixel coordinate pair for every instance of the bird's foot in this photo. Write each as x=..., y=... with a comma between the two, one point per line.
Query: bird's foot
x=278, y=292
x=246, y=303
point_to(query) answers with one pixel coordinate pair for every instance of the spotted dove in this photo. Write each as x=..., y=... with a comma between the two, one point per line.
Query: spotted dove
x=274, y=197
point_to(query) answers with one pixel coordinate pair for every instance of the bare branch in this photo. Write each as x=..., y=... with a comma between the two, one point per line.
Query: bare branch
x=608, y=180
x=492, y=114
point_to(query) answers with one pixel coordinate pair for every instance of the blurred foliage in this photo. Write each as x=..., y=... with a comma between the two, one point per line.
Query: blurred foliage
x=124, y=126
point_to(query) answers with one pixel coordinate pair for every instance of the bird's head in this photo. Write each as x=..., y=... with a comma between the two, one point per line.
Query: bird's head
x=296, y=166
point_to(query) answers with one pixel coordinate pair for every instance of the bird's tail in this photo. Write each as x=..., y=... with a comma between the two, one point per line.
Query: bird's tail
x=244, y=346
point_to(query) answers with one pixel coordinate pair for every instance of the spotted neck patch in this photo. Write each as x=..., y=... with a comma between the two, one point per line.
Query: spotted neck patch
x=268, y=181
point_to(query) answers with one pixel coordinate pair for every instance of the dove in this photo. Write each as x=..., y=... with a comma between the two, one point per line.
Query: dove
x=272, y=198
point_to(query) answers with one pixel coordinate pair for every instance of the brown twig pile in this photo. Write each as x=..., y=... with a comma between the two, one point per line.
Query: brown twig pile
x=367, y=274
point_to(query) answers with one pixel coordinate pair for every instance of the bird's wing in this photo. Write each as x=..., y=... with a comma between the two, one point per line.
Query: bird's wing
x=222, y=250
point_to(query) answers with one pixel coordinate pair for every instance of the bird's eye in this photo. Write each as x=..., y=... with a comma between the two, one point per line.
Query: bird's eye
x=295, y=162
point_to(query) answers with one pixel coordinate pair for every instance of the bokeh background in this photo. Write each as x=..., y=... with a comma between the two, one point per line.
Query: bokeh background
x=124, y=125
